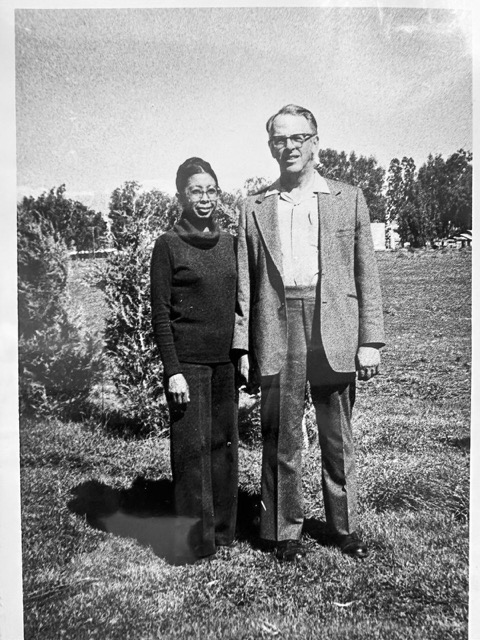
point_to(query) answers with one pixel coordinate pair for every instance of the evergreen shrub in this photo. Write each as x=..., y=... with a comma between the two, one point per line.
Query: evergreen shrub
x=57, y=363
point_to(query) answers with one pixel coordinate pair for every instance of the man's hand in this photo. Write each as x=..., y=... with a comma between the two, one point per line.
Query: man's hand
x=178, y=389
x=246, y=376
x=368, y=362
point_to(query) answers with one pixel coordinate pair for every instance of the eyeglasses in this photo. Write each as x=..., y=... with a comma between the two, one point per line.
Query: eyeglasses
x=196, y=194
x=298, y=139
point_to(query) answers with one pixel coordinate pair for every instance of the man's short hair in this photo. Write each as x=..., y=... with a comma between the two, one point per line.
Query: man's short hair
x=293, y=110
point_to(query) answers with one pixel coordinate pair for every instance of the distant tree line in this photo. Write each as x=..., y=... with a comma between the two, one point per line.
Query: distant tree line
x=424, y=205
x=433, y=203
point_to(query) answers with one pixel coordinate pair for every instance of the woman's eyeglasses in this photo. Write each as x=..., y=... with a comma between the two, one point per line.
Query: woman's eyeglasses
x=197, y=194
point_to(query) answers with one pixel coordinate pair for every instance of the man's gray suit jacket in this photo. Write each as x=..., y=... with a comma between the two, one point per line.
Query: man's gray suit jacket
x=350, y=298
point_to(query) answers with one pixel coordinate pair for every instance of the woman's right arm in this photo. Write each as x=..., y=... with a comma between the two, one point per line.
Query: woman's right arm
x=161, y=274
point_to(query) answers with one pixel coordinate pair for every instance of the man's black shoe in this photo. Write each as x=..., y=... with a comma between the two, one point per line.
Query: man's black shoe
x=352, y=545
x=289, y=550
x=267, y=546
x=205, y=559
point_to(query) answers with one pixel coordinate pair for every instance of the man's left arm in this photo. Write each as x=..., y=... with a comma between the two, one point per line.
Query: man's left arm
x=371, y=331
x=241, y=333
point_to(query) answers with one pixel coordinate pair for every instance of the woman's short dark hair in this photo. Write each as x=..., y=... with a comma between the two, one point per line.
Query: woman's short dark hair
x=293, y=110
x=191, y=167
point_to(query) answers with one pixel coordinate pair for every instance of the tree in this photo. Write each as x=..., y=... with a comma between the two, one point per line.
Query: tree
x=457, y=214
x=41, y=270
x=57, y=366
x=155, y=208
x=435, y=203
x=226, y=213
x=73, y=222
x=359, y=171
x=138, y=218
x=393, y=199
x=255, y=185
x=432, y=194
x=414, y=224
x=334, y=164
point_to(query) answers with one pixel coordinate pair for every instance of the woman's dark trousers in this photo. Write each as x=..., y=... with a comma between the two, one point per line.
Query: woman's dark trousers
x=204, y=455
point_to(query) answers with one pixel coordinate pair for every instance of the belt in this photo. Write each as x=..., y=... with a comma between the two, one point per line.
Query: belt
x=301, y=292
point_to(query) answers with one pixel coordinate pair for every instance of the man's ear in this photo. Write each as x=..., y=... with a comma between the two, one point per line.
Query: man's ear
x=316, y=147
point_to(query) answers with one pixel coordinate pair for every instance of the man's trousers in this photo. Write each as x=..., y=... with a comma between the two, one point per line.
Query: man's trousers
x=282, y=407
x=204, y=455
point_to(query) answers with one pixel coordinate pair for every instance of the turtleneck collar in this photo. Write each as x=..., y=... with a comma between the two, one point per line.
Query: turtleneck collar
x=187, y=229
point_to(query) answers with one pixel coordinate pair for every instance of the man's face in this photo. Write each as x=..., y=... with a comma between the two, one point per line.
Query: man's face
x=293, y=159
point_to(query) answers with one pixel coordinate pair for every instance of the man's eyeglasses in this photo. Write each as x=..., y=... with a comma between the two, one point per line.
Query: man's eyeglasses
x=298, y=139
x=197, y=194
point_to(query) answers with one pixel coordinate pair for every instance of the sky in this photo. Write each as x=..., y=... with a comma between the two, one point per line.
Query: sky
x=110, y=95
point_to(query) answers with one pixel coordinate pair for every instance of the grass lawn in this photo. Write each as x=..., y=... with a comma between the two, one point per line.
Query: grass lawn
x=97, y=535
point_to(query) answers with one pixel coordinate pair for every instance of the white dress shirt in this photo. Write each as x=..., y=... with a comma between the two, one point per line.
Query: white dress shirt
x=298, y=224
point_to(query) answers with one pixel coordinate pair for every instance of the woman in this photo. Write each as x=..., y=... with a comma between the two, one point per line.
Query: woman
x=193, y=288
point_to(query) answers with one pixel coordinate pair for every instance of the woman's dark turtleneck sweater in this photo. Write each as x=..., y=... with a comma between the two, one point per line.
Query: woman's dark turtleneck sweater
x=192, y=230
x=193, y=288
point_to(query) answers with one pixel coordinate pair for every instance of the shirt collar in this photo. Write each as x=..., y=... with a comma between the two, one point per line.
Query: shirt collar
x=319, y=185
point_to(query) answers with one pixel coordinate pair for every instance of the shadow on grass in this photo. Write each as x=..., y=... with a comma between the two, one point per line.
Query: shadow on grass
x=248, y=517
x=318, y=530
x=145, y=513
x=460, y=443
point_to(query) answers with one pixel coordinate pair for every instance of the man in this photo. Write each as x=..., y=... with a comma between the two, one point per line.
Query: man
x=309, y=308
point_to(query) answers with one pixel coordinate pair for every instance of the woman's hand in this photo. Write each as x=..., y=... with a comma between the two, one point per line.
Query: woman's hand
x=178, y=389
x=244, y=368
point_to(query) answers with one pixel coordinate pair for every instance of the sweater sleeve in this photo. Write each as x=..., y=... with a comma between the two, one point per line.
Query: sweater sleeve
x=161, y=282
x=242, y=308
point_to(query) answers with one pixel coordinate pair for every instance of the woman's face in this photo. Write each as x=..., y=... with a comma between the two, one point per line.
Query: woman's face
x=200, y=195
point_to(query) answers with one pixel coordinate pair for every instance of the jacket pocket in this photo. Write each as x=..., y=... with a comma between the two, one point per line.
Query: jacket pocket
x=345, y=231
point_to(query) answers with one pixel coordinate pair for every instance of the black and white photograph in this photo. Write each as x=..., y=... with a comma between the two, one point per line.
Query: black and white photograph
x=237, y=358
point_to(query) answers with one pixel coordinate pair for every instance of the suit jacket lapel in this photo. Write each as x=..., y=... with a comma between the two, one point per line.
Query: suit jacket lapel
x=325, y=211
x=326, y=218
x=266, y=216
